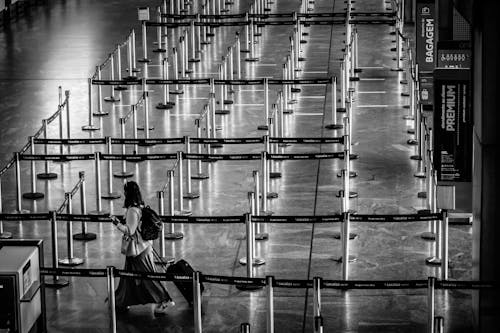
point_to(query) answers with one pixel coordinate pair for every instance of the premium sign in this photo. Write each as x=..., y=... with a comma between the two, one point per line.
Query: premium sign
x=426, y=33
x=452, y=125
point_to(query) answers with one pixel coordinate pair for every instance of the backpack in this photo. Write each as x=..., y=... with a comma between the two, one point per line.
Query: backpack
x=150, y=224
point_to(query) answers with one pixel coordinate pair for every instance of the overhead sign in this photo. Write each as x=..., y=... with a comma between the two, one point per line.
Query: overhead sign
x=454, y=54
x=452, y=125
x=426, y=35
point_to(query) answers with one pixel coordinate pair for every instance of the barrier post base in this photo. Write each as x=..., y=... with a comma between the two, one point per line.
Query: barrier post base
x=353, y=78
x=222, y=111
x=176, y=92
x=342, y=110
x=338, y=235
x=194, y=60
x=5, y=235
x=422, y=195
x=191, y=195
x=183, y=213
x=397, y=69
x=174, y=235
x=111, y=195
x=255, y=261
x=144, y=60
x=405, y=94
x=47, y=175
x=251, y=59
x=111, y=99
x=100, y=114
x=71, y=261
x=123, y=174
x=248, y=287
x=272, y=195
x=416, y=157
x=419, y=174
x=200, y=176
x=262, y=236
x=159, y=50
x=56, y=282
x=168, y=106
x=262, y=127
x=88, y=236
x=141, y=128
x=430, y=236
x=274, y=175
x=404, y=81
x=433, y=261
x=352, y=258
x=228, y=102
x=33, y=195
x=292, y=101
x=412, y=142
x=352, y=174
x=334, y=126
x=295, y=90
x=287, y=111
x=90, y=128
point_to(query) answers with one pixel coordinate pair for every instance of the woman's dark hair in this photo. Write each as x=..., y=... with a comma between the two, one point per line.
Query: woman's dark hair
x=133, y=195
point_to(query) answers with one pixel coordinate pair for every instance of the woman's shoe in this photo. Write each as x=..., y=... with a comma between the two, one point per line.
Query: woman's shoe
x=162, y=308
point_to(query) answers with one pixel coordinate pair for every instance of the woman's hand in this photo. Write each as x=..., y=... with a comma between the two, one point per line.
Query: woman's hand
x=114, y=219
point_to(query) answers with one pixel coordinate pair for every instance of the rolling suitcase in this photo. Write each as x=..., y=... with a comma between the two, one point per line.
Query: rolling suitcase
x=182, y=267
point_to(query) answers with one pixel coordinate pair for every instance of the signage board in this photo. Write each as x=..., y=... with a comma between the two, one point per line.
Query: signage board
x=452, y=125
x=143, y=13
x=426, y=34
x=454, y=54
x=426, y=88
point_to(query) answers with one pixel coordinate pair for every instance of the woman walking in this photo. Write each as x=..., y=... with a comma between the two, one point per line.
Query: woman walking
x=138, y=257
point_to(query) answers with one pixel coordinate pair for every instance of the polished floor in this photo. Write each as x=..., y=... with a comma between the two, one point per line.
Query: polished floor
x=61, y=43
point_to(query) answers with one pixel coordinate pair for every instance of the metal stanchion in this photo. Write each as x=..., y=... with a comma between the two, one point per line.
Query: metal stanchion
x=228, y=74
x=123, y=173
x=134, y=69
x=444, y=246
x=119, y=67
x=342, y=87
x=204, y=28
x=431, y=282
x=438, y=324
x=19, y=208
x=111, y=194
x=60, y=110
x=111, y=297
x=255, y=261
x=251, y=56
x=247, y=36
x=435, y=260
x=144, y=44
x=90, y=126
x=3, y=234
x=265, y=127
x=180, y=184
x=166, y=104
x=161, y=210
x=250, y=244
x=33, y=195
x=172, y=234
x=68, y=117
x=317, y=281
x=431, y=234
x=270, y=304
x=112, y=98
x=56, y=281
x=70, y=260
x=99, y=112
x=193, y=58
x=221, y=111
x=416, y=126
x=190, y=194
x=197, y=302
x=265, y=185
x=334, y=125
x=159, y=49
x=146, y=128
x=245, y=328
x=178, y=90
x=238, y=56
x=184, y=50
x=318, y=324
x=98, y=195
x=253, y=199
x=200, y=175
x=84, y=235
x=130, y=60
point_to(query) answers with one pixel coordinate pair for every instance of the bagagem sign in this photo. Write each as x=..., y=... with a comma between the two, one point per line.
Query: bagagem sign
x=426, y=35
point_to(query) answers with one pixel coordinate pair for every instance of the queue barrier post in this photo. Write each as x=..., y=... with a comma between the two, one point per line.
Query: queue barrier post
x=47, y=175
x=98, y=195
x=90, y=126
x=444, y=246
x=161, y=210
x=19, y=208
x=133, y=51
x=84, y=235
x=342, y=87
x=238, y=56
x=190, y=194
x=124, y=173
x=198, y=48
x=270, y=304
x=430, y=235
x=192, y=31
x=112, y=98
x=411, y=92
x=159, y=49
x=111, y=195
x=130, y=61
x=61, y=125
x=178, y=90
x=145, y=59
x=256, y=201
x=68, y=116
x=199, y=175
x=180, y=185
x=166, y=104
x=286, y=92
x=249, y=258
x=70, y=260
x=56, y=281
x=265, y=127
x=197, y=302
x=334, y=125
x=251, y=56
x=220, y=70
x=172, y=234
x=33, y=195
x=431, y=283
x=111, y=297
x=265, y=184
x=99, y=112
x=3, y=234
x=119, y=67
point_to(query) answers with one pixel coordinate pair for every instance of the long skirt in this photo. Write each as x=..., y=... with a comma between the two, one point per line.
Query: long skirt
x=136, y=291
